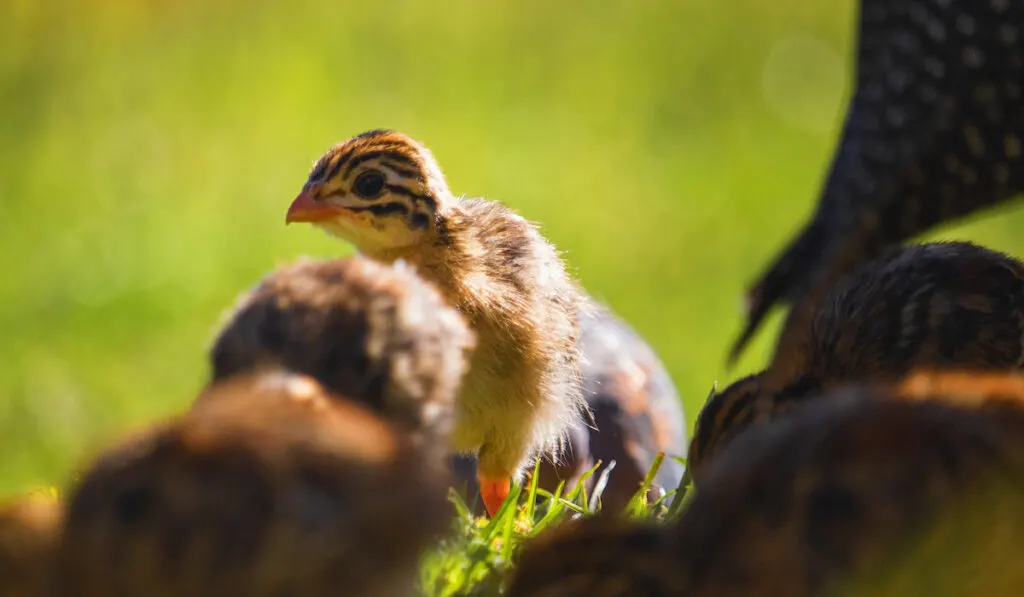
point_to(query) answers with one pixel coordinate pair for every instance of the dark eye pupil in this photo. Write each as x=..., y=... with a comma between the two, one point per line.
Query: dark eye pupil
x=369, y=184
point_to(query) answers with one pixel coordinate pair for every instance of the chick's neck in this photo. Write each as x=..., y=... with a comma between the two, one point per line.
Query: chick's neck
x=439, y=256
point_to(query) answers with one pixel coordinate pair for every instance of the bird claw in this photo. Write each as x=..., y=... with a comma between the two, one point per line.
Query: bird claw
x=493, y=492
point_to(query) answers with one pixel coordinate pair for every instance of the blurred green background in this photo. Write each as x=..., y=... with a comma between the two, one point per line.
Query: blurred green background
x=150, y=149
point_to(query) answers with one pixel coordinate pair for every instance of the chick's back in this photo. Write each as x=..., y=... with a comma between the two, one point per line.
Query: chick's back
x=949, y=304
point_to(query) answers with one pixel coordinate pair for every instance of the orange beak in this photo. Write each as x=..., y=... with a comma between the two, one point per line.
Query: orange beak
x=307, y=209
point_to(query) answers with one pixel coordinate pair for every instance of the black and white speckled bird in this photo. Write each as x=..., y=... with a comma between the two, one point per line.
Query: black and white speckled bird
x=934, y=131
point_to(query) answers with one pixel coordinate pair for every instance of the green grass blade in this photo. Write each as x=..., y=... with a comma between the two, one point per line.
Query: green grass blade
x=506, y=538
x=461, y=509
x=683, y=493
x=574, y=507
x=554, y=510
x=638, y=507
x=531, y=501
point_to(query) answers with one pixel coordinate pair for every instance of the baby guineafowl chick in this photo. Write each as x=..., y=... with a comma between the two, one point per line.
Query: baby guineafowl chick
x=870, y=491
x=375, y=333
x=936, y=305
x=29, y=526
x=934, y=132
x=384, y=192
x=305, y=494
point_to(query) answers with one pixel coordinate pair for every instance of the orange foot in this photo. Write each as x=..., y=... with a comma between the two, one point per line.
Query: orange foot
x=494, y=492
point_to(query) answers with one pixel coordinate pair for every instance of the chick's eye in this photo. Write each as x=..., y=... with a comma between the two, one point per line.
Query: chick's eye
x=369, y=184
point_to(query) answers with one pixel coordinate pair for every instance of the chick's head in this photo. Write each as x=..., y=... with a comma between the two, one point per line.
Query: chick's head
x=721, y=417
x=380, y=190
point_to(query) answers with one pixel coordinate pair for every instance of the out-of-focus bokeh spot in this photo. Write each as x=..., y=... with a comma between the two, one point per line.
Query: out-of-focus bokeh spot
x=804, y=83
x=150, y=149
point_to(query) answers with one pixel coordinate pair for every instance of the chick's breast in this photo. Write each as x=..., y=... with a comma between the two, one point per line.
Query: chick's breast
x=522, y=389
x=637, y=412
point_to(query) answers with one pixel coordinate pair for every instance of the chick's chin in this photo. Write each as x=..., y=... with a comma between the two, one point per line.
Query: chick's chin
x=370, y=234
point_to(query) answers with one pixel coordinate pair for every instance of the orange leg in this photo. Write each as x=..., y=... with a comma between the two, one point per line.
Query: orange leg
x=493, y=492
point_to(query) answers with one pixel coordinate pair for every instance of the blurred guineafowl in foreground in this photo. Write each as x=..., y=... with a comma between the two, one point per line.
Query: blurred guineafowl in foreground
x=29, y=525
x=271, y=487
x=906, y=491
x=934, y=131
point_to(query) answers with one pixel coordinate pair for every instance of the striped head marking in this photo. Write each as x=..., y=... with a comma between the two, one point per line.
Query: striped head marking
x=379, y=190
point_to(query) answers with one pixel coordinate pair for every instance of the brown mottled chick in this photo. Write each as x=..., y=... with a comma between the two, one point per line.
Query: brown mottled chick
x=29, y=525
x=384, y=192
x=944, y=304
x=372, y=332
x=308, y=494
x=934, y=132
x=637, y=414
x=599, y=556
x=936, y=305
x=866, y=492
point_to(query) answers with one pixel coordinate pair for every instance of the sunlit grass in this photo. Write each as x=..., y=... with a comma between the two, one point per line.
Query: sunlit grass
x=478, y=557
